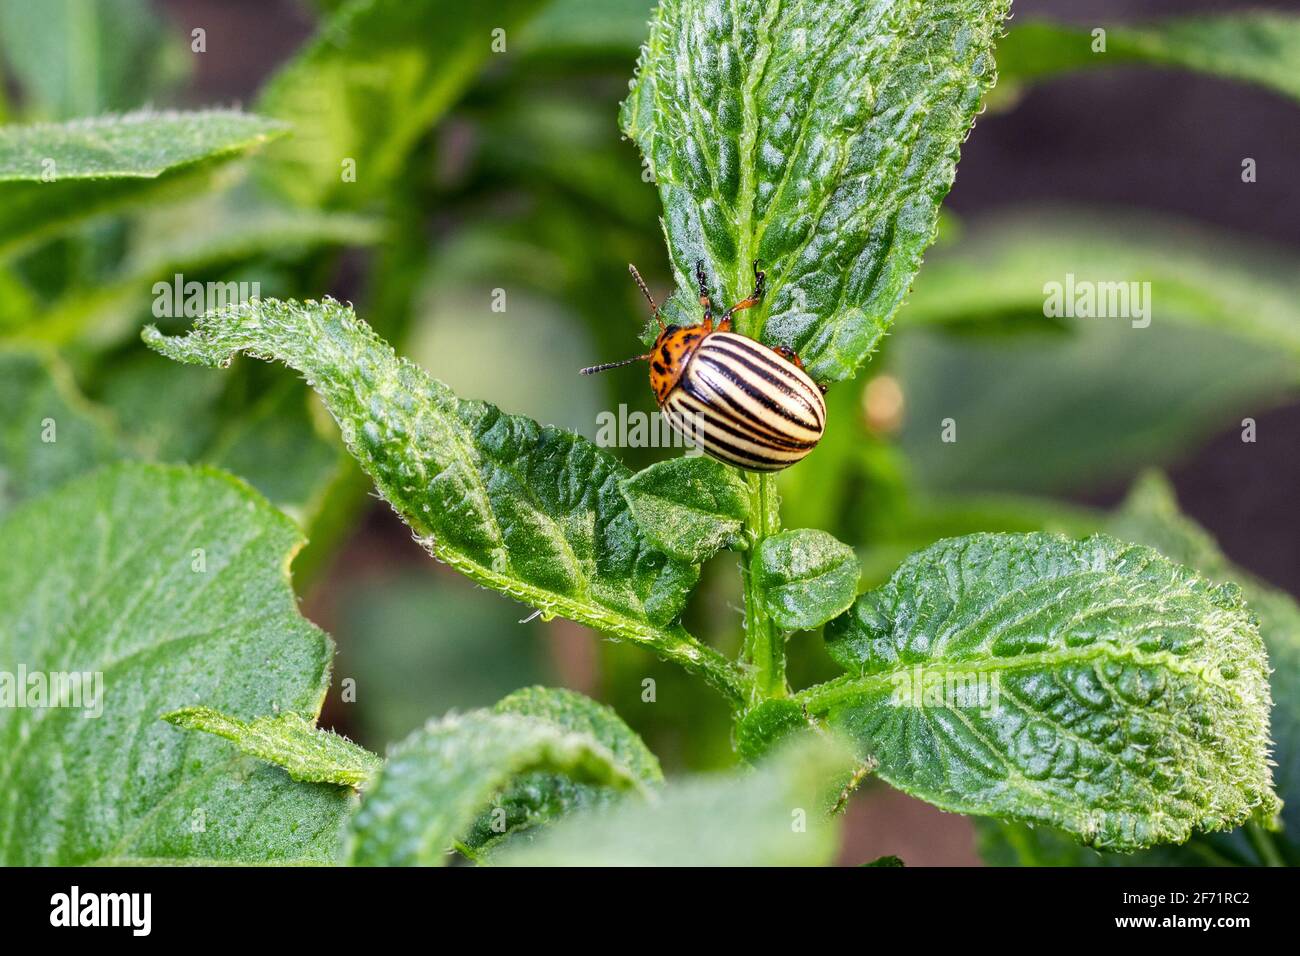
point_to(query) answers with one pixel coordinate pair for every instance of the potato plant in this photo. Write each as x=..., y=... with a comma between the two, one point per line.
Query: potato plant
x=1094, y=687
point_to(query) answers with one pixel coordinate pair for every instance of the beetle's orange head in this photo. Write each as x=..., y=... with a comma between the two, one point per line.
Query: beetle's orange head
x=672, y=350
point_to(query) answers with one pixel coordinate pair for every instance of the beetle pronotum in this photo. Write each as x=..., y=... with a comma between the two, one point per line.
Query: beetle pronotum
x=747, y=404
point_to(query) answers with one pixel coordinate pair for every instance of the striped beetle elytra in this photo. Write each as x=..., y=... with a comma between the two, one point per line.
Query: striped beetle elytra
x=747, y=404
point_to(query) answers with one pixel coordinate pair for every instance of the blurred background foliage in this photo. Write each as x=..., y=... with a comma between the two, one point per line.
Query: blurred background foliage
x=488, y=232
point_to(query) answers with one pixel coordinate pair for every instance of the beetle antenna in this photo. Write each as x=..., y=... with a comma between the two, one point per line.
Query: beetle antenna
x=640, y=284
x=593, y=369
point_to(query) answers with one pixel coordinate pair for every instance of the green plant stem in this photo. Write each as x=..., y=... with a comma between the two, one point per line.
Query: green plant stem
x=764, y=643
x=1264, y=845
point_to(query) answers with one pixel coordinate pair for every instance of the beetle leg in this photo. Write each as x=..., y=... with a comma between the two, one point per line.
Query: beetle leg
x=789, y=354
x=755, y=297
x=704, y=293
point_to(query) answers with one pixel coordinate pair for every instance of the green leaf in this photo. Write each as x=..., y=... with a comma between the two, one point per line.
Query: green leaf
x=275, y=442
x=1108, y=398
x=1001, y=269
x=99, y=165
x=85, y=57
x=54, y=434
x=807, y=577
x=775, y=815
x=172, y=585
x=189, y=239
x=887, y=861
x=1279, y=624
x=568, y=30
x=1001, y=843
x=18, y=302
x=1254, y=46
x=159, y=411
x=440, y=777
x=50, y=433
x=540, y=797
x=291, y=741
x=1150, y=516
x=530, y=511
x=819, y=138
x=579, y=714
x=416, y=641
x=369, y=85
x=1107, y=401
x=768, y=725
x=141, y=145
x=1089, y=685
x=918, y=521
x=690, y=508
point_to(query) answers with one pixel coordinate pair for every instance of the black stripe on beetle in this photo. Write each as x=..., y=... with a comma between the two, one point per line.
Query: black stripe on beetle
x=716, y=445
x=745, y=403
x=723, y=366
x=751, y=355
x=712, y=404
x=732, y=429
x=726, y=398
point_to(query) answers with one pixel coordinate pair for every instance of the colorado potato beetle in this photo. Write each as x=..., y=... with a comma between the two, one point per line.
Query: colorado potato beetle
x=744, y=403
